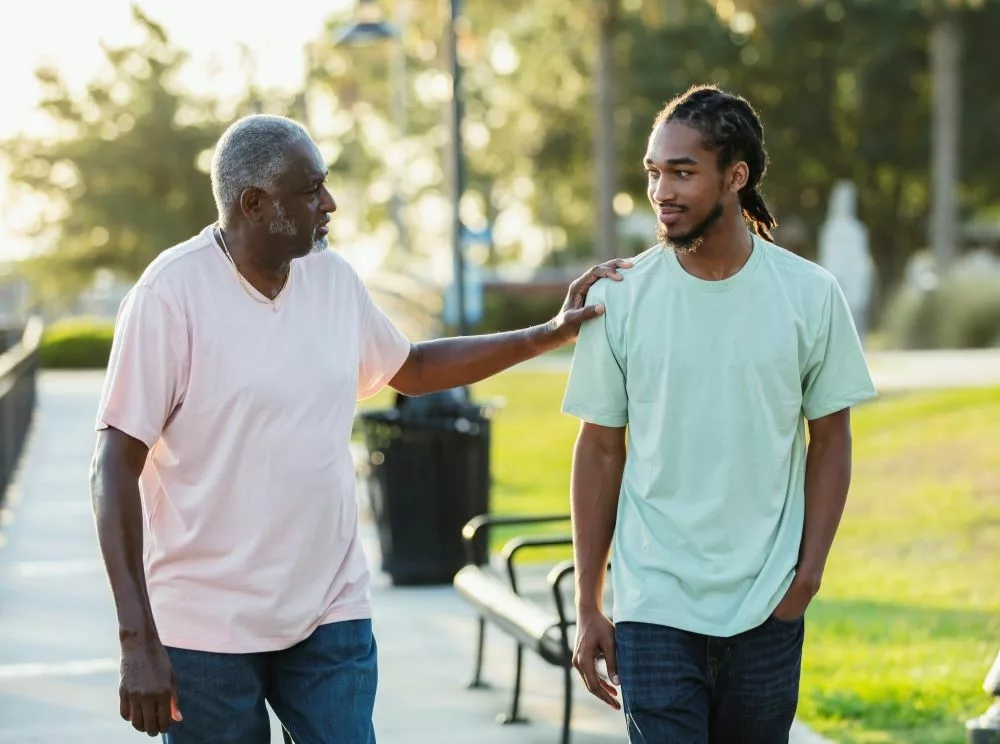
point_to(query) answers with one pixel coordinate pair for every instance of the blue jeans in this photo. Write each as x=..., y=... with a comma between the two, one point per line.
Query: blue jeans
x=685, y=688
x=322, y=690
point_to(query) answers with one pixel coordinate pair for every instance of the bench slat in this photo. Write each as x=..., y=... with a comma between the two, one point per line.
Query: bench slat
x=527, y=622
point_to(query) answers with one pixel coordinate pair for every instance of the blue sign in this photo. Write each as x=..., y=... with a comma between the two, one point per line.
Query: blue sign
x=473, y=297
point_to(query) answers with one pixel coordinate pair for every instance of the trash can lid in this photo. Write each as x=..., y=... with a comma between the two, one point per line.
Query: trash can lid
x=453, y=402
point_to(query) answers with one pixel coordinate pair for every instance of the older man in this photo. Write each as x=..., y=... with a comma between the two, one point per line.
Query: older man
x=222, y=482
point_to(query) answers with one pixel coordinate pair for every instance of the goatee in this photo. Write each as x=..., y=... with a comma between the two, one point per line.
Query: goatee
x=690, y=241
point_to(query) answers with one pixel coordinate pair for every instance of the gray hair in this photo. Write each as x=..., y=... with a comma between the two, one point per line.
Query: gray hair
x=252, y=152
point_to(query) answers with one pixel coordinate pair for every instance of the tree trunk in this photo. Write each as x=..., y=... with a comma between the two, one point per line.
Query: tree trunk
x=605, y=151
x=946, y=82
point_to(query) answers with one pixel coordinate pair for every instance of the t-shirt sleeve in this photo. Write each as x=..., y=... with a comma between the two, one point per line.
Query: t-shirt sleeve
x=147, y=369
x=595, y=392
x=836, y=374
x=383, y=347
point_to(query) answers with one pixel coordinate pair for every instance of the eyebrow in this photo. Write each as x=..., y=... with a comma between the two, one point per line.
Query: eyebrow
x=317, y=179
x=673, y=162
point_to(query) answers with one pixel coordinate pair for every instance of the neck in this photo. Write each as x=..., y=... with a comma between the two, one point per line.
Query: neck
x=726, y=247
x=254, y=261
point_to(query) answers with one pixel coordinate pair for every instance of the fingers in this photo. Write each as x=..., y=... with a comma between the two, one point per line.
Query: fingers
x=583, y=314
x=606, y=270
x=609, y=269
x=124, y=709
x=586, y=664
x=611, y=661
x=164, y=713
x=138, y=716
x=150, y=717
x=599, y=688
x=576, y=297
x=175, y=708
x=150, y=714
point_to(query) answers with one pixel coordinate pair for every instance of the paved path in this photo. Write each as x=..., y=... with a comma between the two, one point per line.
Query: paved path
x=58, y=650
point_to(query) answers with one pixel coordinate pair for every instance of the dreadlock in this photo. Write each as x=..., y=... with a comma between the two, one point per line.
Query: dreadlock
x=730, y=127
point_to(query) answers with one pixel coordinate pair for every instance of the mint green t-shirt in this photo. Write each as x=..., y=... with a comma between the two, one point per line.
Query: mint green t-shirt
x=714, y=380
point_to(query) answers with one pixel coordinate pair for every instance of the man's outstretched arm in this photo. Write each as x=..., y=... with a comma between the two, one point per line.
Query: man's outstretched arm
x=453, y=362
x=598, y=463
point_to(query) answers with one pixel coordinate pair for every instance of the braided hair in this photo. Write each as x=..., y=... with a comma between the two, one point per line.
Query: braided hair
x=730, y=127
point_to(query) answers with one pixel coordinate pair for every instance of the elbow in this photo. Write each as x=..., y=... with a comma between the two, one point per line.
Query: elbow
x=116, y=465
x=411, y=380
x=410, y=388
x=604, y=446
x=834, y=444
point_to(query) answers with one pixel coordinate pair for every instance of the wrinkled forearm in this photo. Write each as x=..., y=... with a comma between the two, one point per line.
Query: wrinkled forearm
x=119, y=522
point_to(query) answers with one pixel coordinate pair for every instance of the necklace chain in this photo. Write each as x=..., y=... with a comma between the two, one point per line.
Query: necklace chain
x=250, y=290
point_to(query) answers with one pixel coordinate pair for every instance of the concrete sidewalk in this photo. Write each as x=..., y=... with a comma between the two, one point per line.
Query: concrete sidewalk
x=58, y=640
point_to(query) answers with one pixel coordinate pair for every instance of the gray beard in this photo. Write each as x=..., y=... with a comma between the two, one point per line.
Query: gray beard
x=280, y=224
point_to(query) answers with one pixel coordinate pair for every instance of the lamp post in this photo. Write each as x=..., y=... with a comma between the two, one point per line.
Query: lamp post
x=369, y=27
x=457, y=166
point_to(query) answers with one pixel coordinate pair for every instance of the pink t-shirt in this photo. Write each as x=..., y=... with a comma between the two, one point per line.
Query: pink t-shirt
x=250, y=537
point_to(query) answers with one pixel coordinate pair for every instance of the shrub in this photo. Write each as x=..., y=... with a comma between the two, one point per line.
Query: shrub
x=508, y=311
x=961, y=312
x=76, y=343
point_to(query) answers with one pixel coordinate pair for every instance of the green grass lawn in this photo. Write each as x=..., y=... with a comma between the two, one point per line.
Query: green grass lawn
x=908, y=620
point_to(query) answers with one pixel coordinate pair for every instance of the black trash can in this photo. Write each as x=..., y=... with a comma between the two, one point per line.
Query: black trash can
x=429, y=473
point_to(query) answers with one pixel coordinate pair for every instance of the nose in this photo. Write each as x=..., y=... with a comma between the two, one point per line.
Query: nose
x=328, y=204
x=661, y=192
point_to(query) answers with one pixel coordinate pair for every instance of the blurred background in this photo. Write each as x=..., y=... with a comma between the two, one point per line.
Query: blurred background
x=473, y=186
x=110, y=115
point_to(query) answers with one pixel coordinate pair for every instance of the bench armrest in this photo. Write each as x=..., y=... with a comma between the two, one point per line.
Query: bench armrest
x=517, y=544
x=474, y=525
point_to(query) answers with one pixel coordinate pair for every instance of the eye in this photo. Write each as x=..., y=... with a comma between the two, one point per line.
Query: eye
x=684, y=174
x=651, y=173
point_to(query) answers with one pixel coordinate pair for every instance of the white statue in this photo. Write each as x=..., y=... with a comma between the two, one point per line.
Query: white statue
x=843, y=251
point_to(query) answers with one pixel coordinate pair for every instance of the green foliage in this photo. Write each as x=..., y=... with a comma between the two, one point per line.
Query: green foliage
x=843, y=89
x=123, y=179
x=506, y=311
x=76, y=343
x=962, y=312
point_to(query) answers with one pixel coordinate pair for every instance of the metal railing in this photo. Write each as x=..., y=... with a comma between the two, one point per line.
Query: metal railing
x=18, y=374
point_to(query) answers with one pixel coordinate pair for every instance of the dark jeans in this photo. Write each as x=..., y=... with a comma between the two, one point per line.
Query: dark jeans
x=322, y=690
x=686, y=688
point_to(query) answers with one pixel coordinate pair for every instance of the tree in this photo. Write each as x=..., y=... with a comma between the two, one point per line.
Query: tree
x=843, y=88
x=844, y=91
x=126, y=175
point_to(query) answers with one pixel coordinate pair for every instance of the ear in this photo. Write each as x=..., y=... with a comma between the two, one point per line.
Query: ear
x=255, y=205
x=738, y=176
